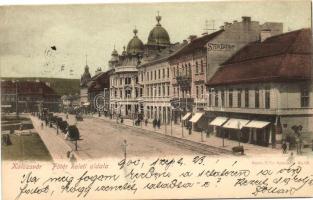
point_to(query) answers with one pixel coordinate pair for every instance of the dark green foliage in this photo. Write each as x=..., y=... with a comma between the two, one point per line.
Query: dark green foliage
x=60, y=85
x=63, y=126
x=73, y=132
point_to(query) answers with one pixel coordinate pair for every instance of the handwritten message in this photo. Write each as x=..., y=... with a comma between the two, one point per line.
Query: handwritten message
x=154, y=178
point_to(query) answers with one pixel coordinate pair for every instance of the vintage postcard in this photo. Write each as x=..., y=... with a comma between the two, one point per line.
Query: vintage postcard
x=181, y=100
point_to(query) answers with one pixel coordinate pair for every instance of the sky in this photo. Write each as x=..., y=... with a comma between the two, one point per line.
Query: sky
x=27, y=33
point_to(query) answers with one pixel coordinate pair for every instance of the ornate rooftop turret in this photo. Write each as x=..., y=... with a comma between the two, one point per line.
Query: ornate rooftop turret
x=158, y=35
x=135, y=45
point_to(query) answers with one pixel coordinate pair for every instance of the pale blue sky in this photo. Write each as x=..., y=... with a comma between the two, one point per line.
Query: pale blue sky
x=27, y=31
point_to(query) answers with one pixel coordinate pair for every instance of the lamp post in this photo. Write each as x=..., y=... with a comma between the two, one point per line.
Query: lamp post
x=16, y=98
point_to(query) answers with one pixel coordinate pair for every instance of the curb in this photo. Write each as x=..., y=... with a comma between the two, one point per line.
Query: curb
x=75, y=153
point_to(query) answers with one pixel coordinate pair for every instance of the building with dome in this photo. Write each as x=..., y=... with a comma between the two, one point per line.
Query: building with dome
x=124, y=88
x=158, y=37
x=126, y=92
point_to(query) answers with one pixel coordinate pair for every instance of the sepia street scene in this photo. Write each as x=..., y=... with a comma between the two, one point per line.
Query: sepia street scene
x=116, y=80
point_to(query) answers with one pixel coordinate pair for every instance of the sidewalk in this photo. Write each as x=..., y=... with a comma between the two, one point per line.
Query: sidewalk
x=56, y=144
x=213, y=141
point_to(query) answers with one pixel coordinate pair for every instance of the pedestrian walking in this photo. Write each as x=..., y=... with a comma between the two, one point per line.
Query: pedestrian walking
x=284, y=147
x=159, y=123
x=298, y=145
x=207, y=132
x=146, y=123
x=189, y=129
x=122, y=120
x=154, y=123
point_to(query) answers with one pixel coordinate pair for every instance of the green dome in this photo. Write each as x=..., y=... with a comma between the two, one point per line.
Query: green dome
x=135, y=45
x=158, y=35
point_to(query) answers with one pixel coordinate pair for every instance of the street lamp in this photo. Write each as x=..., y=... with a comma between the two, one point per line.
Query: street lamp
x=16, y=97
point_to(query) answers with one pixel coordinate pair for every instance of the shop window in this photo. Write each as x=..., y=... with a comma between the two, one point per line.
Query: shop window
x=305, y=97
x=257, y=98
x=246, y=98
x=216, y=98
x=267, y=99
x=223, y=98
x=230, y=98
x=239, y=98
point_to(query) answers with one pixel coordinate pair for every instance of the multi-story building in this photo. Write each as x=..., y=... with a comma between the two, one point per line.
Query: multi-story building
x=193, y=65
x=128, y=88
x=264, y=91
x=155, y=78
x=124, y=87
x=100, y=85
x=29, y=96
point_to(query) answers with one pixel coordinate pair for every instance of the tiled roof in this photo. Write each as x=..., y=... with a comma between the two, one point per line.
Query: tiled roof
x=284, y=57
x=197, y=43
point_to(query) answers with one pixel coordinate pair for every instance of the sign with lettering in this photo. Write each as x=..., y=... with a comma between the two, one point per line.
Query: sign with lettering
x=220, y=47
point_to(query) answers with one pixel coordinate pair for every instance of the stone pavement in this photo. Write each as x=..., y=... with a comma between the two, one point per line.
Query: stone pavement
x=178, y=132
x=56, y=144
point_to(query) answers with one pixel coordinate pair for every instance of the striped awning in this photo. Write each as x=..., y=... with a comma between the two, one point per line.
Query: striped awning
x=186, y=116
x=235, y=123
x=257, y=124
x=218, y=121
x=196, y=117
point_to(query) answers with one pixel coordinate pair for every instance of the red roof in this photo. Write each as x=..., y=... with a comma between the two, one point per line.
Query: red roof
x=196, y=44
x=285, y=57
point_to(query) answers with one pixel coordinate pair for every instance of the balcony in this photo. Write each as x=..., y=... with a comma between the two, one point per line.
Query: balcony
x=183, y=79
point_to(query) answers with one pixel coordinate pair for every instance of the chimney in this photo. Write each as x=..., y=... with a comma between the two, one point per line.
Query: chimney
x=264, y=34
x=246, y=19
x=192, y=37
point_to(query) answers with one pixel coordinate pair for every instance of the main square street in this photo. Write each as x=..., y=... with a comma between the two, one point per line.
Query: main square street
x=102, y=137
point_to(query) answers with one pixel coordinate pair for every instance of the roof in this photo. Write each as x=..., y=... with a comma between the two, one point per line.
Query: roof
x=99, y=81
x=158, y=35
x=26, y=88
x=197, y=43
x=285, y=57
x=161, y=55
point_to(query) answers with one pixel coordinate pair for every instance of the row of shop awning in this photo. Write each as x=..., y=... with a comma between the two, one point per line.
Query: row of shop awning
x=194, y=119
x=225, y=122
x=238, y=123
